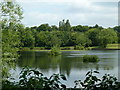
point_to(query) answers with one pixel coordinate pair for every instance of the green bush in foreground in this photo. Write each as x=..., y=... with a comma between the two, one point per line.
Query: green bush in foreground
x=92, y=82
x=32, y=79
x=90, y=58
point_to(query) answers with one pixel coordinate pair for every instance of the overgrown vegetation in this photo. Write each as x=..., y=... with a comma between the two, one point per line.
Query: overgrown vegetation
x=55, y=51
x=32, y=79
x=84, y=36
x=10, y=21
x=92, y=82
x=90, y=58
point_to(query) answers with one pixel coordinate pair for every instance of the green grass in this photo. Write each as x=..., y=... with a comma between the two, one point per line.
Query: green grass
x=71, y=48
x=114, y=46
x=109, y=46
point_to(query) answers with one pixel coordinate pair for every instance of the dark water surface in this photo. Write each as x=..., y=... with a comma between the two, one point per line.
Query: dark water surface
x=69, y=63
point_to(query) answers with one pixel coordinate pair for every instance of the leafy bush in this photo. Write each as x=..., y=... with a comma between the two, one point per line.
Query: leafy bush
x=55, y=51
x=31, y=79
x=79, y=47
x=92, y=82
x=90, y=58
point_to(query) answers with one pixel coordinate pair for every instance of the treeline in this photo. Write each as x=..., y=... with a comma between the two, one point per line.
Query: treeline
x=67, y=35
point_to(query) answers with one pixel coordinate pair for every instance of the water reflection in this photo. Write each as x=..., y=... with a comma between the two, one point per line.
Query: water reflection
x=68, y=61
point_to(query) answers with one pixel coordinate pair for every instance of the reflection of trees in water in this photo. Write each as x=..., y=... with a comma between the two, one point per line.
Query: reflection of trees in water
x=45, y=63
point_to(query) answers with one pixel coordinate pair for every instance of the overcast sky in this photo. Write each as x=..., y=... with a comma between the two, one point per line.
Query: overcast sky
x=79, y=12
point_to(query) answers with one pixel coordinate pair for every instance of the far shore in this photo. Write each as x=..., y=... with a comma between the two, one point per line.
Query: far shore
x=109, y=47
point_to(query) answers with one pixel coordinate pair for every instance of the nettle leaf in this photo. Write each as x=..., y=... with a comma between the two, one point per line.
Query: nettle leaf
x=63, y=86
x=88, y=73
x=57, y=85
x=94, y=78
x=82, y=83
x=86, y=80
x=36, y=73
x=96, y=72
x=63, y=77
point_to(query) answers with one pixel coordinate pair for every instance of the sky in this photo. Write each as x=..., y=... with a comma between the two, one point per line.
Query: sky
x=79, y=12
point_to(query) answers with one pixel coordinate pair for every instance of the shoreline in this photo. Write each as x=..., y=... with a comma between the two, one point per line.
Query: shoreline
x=28, y=49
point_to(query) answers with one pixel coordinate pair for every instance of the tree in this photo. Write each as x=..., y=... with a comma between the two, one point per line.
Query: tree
x=97, y=27
x=53, y=40
x=80, y=28
x=41, y=39
x=67, y=26
x=27, y=38
x=11, y=15
x=81, y=39
x=54, y=28
x=117, y=28
x=93, y=36
x=64, y=26
x=107, y=36
x=44, y=27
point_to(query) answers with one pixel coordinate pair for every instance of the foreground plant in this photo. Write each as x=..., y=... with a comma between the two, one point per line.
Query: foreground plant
x=92, y=82
x=32, y=79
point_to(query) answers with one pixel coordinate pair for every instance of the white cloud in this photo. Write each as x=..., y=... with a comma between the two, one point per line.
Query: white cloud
x=37, y=18
x=77, y=11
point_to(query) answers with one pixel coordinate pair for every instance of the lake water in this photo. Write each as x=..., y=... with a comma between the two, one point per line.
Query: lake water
x=69, y=63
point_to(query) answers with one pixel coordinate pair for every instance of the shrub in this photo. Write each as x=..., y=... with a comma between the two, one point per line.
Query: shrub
x=90, y=58
x=31, y=79
x=79, y=47
x=92, y=82
x=55, y=51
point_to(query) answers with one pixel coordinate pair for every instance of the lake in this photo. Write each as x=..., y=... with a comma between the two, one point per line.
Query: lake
x=69, y=63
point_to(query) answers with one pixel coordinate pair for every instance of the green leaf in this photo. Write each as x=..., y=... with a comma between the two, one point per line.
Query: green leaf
x=63, y=86
x=88, y=73
x=96, y=72
x=63, y=77
x=57, y=85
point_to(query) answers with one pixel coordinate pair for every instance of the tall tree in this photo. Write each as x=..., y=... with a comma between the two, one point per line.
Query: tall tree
x=93, y=36
x=107, y=36
x=11, y=15
x=64, y=26
x=67, y=26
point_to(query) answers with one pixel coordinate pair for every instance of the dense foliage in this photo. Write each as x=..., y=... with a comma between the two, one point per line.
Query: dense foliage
x=45, y=36
x=48, y=36
x=90, y=58
x=92, y=82
x=55, y=51
x=10, y=20
x=32, y=79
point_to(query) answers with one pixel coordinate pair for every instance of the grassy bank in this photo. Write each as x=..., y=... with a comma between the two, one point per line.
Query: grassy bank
x=109, y=47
